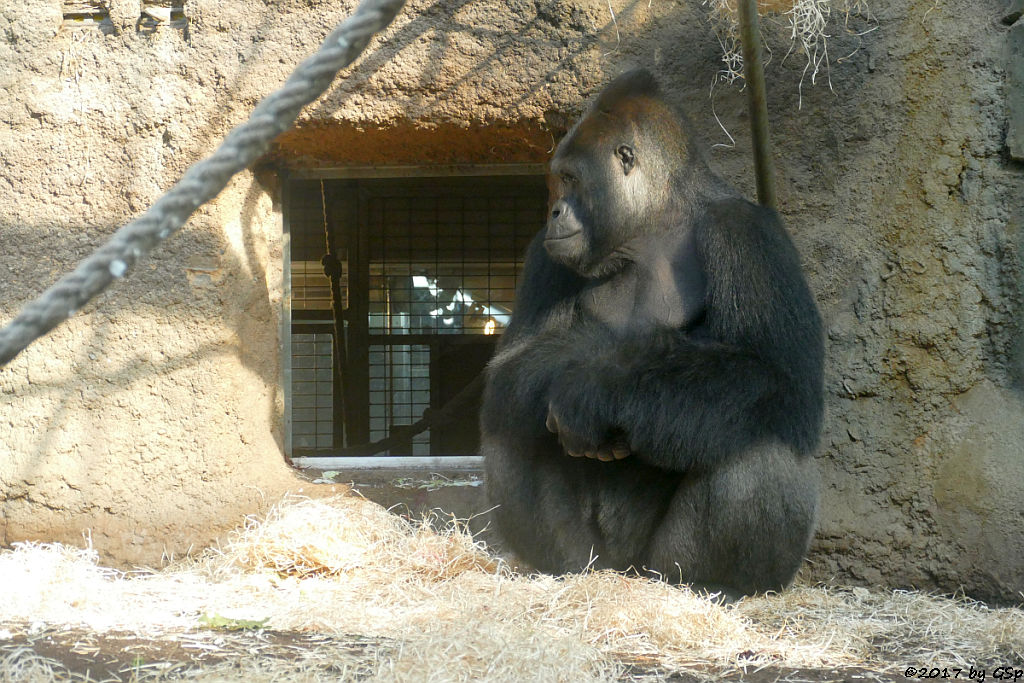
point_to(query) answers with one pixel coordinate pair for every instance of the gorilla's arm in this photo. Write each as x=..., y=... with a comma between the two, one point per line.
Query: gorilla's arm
x=534, y=348
x=753, y=371
x=546, y=297
x=682, y=405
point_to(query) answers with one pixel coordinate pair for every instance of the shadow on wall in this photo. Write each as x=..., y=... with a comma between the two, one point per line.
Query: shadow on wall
x=505, y=31
x=136, y=353
x=452, y=139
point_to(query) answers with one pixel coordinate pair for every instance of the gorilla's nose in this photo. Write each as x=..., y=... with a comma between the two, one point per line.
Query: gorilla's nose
x=558, y=208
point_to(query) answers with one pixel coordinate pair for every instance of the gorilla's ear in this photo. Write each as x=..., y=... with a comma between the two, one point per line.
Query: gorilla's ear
x=627, y=157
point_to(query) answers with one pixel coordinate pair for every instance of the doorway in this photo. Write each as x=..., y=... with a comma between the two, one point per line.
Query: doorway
x=398, y=289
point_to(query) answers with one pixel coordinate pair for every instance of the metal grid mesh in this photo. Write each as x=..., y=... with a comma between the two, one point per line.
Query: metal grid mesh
x=442, y=264
x=446, y=264
x=399, y=391
x=311, y=289
x=312, y=390
x=306, y=221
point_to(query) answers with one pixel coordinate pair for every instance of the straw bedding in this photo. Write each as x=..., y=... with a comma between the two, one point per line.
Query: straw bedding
x=342, y=589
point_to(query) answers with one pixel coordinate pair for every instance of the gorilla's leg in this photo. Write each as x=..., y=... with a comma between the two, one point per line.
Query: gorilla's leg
x=742, y=528
x=563, y=514
x=543, y=528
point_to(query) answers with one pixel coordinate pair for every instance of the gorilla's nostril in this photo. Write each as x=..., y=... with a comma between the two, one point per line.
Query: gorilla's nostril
x=555, y=212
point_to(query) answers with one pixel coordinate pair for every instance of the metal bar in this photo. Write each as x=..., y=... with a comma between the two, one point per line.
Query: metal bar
x=757, y=100
x=357, y=393
x=286, y=308
x=439, y=462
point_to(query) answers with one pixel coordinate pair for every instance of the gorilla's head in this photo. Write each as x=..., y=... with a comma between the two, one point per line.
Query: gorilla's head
x=616, y=175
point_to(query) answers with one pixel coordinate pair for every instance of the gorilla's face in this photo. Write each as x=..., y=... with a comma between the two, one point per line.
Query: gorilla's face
x=595, y=199
x=586, y=218
x=609, y=180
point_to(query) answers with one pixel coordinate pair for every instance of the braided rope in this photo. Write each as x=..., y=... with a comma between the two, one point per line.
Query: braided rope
x=200, y=183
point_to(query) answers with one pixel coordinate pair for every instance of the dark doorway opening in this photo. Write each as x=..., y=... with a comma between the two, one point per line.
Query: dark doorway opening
x=426, y=270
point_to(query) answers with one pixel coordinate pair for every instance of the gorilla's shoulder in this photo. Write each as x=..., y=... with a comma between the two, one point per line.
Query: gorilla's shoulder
x=741, y=212
x=741, y=223
x=746, y=248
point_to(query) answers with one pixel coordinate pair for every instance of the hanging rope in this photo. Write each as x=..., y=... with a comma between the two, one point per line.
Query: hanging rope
x=334, y=272
x=201, y=183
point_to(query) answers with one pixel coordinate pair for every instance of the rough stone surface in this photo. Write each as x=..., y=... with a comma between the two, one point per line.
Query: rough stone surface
x=153, y=417
x=1015, y=91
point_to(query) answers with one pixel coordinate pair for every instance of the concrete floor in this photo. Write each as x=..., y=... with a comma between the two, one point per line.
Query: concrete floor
x=420, y=492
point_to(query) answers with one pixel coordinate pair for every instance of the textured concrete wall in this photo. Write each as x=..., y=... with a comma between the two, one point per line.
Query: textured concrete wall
x=157, y=409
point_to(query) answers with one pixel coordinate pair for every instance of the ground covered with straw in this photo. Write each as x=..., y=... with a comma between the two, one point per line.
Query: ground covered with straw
x=340, y=589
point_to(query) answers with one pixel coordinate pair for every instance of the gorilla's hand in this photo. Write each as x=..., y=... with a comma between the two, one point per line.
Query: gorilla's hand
x=581, y=413
x=577, y=447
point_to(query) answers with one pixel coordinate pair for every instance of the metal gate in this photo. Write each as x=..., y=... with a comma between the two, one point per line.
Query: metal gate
x=429, y=268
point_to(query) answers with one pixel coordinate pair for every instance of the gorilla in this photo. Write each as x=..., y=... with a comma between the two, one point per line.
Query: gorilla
x=656, y=399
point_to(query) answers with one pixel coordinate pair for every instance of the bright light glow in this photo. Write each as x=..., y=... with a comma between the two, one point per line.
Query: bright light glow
x=499, y=315
x=423, y=282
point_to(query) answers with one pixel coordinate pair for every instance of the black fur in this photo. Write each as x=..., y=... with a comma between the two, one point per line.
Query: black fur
x=664, y=335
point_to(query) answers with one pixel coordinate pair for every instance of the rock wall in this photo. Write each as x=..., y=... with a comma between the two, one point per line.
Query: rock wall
x=153, y=417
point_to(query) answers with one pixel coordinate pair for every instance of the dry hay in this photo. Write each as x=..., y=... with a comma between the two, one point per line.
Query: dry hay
x=378, y=597
x=808, y=21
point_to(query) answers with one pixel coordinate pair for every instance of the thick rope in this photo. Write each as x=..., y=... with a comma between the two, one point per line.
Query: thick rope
x=201, y=183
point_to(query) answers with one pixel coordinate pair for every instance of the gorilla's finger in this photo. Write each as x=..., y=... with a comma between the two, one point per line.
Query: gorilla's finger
x=551, y=422
x=572, y=444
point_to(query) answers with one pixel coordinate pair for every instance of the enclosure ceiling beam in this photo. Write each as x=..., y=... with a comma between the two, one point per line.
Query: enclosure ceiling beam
x=359, y=172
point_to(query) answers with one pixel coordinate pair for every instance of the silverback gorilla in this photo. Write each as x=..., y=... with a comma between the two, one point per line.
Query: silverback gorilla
x=655, y=401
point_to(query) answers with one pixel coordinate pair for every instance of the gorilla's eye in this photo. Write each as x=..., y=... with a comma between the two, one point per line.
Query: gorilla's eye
x=568, y=178
x=626, y=156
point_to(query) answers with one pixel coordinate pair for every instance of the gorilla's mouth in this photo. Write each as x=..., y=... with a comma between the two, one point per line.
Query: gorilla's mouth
x=560, y=238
